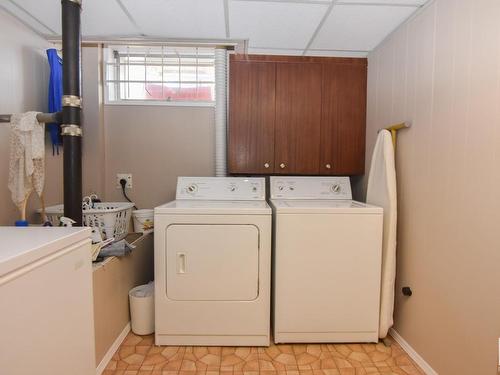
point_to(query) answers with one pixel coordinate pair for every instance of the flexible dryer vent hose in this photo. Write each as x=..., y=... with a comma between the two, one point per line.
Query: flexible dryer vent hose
x=220, y=111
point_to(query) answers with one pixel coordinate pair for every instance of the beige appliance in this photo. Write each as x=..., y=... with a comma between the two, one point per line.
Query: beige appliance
x=47, y=317
x=213, y=263
x=327, y=261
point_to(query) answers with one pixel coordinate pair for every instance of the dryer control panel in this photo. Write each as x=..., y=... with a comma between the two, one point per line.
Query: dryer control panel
x=294, y=187
x=221, y=188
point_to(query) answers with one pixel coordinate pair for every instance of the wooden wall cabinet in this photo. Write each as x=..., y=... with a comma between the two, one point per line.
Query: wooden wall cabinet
x=296, y=115
x=252, y=117
x=298, y=118
x=343, y=119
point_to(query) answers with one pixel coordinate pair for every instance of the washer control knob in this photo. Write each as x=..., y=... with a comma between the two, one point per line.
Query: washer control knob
x=281, y=187
x=266, y=165
x=282, y=165
x=232, y=188
x=335, y=188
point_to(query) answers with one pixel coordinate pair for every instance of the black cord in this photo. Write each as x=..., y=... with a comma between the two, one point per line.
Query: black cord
x=123, y=183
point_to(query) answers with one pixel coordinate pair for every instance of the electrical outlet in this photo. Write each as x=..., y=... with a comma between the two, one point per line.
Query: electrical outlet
x=126, y=176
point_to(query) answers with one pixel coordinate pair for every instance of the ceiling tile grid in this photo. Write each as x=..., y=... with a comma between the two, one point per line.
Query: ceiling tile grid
x=296, y=27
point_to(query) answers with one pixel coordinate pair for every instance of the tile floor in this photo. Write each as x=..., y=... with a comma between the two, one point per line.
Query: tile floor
x=138, y=356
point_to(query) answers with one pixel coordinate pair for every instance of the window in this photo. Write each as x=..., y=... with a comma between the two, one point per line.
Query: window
x=160, y=74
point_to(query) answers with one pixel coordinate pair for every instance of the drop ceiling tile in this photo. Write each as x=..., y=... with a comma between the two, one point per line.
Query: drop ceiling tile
x=359, y=27
x=99, y=18
x=291, y=1
x=388, y=2
x=26, y=18
x=275, y=24
x=195, y=19
x=48, y=12
x=105, y=18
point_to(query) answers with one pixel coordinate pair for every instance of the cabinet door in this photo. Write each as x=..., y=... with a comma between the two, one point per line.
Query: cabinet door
x=251, y=117
x=343, y=123
x=298, y=118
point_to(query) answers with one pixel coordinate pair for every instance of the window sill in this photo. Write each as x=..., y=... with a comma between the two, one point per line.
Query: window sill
x=160, y=103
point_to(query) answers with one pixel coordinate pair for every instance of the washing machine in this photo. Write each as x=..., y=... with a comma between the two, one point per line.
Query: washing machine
x=213, y=263
x=327, y=262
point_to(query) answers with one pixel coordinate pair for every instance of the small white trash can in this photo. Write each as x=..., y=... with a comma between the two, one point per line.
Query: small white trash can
x=142, y=309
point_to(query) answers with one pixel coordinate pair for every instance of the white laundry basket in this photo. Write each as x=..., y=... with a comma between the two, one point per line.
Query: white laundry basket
x=111, y=218
x=142, y=309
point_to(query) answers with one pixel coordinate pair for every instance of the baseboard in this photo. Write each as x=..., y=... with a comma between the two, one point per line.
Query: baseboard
x=111, y=351
x=412, y=353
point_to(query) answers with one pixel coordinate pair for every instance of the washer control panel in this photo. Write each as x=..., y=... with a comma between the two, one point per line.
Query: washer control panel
x=221, y=188
x=310, y=188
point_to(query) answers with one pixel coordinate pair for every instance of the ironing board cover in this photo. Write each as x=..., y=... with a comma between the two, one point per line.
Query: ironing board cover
x=382, y=192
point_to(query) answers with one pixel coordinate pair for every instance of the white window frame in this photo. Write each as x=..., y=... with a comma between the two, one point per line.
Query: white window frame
x=151, y=102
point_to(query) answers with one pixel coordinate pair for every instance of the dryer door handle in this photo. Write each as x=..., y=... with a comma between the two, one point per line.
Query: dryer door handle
x=181, y=262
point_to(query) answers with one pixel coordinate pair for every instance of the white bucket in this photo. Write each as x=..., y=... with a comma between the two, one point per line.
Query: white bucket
x=143, y=220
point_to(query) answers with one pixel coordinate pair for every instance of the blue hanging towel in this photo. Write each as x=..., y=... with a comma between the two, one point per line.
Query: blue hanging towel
x=55, y=97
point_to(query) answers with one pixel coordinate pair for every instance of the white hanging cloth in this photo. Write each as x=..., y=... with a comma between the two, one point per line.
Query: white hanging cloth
x=382, y=192
x=27, y=157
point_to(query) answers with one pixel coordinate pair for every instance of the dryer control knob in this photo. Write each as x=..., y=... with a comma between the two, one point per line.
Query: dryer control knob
x=335, y=188
x=192, y=188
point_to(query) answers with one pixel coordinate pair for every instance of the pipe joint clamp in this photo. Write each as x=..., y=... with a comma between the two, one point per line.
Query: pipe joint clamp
x=72, y=130
x=71, y=101
x=77, y=2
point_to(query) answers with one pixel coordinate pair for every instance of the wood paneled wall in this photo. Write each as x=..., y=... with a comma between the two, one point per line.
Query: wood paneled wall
x=441, y=71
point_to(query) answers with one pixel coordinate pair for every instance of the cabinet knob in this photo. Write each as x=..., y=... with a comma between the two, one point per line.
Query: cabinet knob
x=328, y=166
x=266, y=165
x=282, y=165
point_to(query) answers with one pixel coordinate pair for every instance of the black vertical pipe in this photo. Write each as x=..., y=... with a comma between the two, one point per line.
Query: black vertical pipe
x=71, y=111
x=72, y=148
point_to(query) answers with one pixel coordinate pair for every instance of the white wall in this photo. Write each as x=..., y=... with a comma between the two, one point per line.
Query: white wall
x=441, y=71
x=93, y=154
x=154, y=143
x=157, y=144
x=24, y=74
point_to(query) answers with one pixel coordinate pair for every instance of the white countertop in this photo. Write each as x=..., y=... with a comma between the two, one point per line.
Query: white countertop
x=22, y=245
